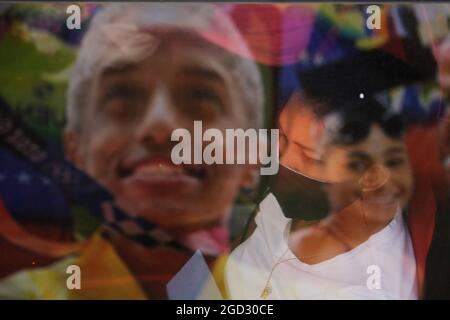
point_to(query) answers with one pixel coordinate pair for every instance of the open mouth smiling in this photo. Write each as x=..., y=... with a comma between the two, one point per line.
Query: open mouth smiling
x=157, y=170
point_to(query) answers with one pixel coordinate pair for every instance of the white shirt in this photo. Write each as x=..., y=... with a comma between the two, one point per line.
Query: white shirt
x=265, y=260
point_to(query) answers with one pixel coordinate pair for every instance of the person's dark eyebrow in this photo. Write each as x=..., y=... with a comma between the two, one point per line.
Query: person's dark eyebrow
x=204, y=73
x=359, y=154
x=121, y=89
x=118, y=69
x=394, y=150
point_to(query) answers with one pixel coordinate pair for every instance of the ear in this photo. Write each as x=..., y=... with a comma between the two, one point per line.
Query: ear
x=72, y=148
x=250, y=178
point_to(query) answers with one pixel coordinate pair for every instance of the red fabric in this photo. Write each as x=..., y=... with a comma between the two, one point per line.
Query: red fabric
x=424, y=155
x=30, y=245
x=276, y=34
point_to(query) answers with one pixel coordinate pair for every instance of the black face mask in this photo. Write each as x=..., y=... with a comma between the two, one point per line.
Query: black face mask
x=299, y=196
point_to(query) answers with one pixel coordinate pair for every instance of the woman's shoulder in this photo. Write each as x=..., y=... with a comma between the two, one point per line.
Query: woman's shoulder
x=314, y=244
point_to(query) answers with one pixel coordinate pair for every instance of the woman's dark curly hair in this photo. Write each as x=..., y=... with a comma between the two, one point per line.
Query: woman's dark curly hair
x=351, y=122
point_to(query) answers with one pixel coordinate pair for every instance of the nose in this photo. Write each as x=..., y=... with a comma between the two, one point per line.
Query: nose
x=374, y=178
x=159, y=120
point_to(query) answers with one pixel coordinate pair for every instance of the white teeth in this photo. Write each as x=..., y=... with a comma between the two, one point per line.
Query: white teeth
x=158, y=170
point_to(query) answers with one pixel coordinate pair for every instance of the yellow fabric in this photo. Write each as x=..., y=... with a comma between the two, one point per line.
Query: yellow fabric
x=219, y=275
x=104, y=276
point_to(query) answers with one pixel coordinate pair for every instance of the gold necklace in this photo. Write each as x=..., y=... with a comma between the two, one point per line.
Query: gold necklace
x=268, y=289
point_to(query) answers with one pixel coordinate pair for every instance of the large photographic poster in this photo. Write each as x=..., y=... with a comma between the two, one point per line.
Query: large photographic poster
x=224, y=151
